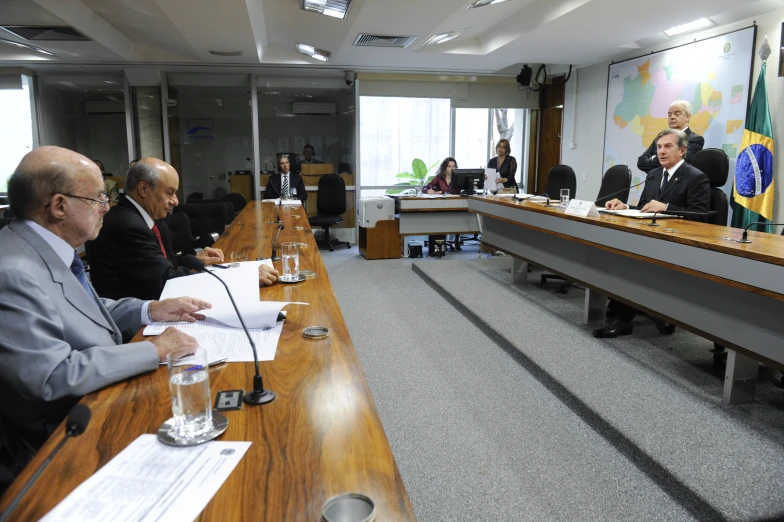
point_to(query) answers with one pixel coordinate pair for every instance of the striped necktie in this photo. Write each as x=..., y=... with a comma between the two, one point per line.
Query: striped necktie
x=285, y=190
x=77, y=268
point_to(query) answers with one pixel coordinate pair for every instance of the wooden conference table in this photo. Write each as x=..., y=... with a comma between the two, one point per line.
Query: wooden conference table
x=320, y=437
x=687, y=273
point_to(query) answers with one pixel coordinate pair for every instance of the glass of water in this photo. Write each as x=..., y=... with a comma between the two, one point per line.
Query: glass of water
x=189, y=381
x=290, y=259
x=564, y=197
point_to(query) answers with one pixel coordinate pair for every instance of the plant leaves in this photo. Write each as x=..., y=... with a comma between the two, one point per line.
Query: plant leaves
x=420, y=169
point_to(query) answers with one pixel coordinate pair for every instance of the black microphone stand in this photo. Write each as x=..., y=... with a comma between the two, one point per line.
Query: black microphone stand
x=745, y=237
x=653, y=222
x=274, y=254
x=75, y=426
x=547, y=200
x=259, y=395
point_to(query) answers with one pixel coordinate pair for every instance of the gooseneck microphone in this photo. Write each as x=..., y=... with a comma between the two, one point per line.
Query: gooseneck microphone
x=546, y=200
x=608, y=196
x=709, y=214
x=75, y=425
x=745, y=237
x=259, y=395
x=274, y=253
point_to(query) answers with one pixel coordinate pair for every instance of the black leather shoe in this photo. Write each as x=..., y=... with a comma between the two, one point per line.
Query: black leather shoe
x=664, y=328
x=614, y=328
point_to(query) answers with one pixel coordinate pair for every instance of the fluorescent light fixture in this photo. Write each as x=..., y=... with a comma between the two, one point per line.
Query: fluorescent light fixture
x=333, y=8
x=696, y=25
x=25, y=46
x=226, y=53
x=482, y=3
x=444, y=37
x=309, y=50
x=270, y=92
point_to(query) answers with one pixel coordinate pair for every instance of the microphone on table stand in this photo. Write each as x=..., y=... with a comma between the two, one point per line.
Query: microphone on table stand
x=709, y=214
x=745, y=237
x=274, y=254
x=77, y=422
x=608, y=196
x=259, y=395
x=278, y=221
x=547, y=199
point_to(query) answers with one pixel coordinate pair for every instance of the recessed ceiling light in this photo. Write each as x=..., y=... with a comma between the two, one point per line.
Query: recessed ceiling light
x=482, y=3
x=226, y=53
x=309, y=50
x=334, y=8
x=109, y=82
x=696, y=25
x=25, y=46
x=444, y=37
x=270, y=92
x=299, y=95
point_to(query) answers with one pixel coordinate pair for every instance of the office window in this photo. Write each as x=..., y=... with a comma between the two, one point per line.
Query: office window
x=86, y=113
x=396, y=131
x=16, y=133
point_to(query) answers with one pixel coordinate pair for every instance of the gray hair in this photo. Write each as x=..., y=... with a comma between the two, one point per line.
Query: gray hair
x=30, y=190
x=142, y=172
x=683, y=103
x=681, y=139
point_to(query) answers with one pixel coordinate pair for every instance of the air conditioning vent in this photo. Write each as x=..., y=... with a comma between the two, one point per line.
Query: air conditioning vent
x=375, y=40
x=313, y=109
x=48, y=33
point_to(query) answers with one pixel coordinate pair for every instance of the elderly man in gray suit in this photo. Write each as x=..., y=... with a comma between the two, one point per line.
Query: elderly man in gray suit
x=59, y=339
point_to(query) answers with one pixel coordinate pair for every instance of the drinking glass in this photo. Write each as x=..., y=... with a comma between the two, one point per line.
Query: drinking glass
x=290, y=259
x=564, y=197
x=189, y=382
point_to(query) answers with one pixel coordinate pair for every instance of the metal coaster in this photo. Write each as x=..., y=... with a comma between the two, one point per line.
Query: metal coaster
x=315, y=332
x=168, y=435
x=298, y=228
x=298, y=280
x=296, y=216
x=611, y=220
x=349, y=507
x=669, y=230
x=303, y=245
x=307, y=273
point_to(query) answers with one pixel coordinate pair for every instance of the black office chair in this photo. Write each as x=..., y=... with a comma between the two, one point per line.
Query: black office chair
x=617, y=178
x=236, y=200
x=331, y=204
x=207, y=220
x=560, y=177
x=193, y=196
x=715, y=164
x=182, y=240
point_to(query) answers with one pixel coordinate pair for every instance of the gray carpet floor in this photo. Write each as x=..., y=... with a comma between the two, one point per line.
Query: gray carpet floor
x=500, y=405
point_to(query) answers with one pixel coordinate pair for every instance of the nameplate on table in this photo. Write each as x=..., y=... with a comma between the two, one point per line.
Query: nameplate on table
x=582, y=208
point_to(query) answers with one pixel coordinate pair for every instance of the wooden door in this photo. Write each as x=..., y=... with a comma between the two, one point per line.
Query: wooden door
x=549, y=145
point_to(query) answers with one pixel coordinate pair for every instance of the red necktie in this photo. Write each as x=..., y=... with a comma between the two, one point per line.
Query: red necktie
x=160, y=241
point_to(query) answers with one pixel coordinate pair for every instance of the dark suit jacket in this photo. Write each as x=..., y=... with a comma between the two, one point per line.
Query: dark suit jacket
x=295, y=181
x=650, y=160
x=688, y=189
x=126, y=259
x=508, y=170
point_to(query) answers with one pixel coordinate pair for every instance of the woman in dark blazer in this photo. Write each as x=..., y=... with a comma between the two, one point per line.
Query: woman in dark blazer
x=504, y=164
x=442, y=182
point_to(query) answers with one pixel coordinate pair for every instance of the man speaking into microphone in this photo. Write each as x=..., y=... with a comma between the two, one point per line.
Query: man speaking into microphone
x=675, y=186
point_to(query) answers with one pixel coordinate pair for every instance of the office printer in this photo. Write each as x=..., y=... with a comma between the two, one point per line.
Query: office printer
x=371, y=210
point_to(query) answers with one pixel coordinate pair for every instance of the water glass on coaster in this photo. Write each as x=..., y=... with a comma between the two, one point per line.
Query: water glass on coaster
x=189, y=381
x=290, y=261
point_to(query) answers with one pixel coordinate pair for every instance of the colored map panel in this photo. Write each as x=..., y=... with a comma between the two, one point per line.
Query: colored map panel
x=645, y=72
x=651, y=128
x=637, y=97
x=731, y=149
x=733, y=125
x=736, y=94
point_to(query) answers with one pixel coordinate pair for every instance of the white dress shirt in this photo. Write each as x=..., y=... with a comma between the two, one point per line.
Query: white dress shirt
x=670, y=172
x=145, y=215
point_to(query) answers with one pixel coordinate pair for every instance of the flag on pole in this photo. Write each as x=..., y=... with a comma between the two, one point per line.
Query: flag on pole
x=752, y=192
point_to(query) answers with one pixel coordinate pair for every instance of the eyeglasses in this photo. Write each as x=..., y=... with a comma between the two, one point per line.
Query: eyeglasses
x=103, y=201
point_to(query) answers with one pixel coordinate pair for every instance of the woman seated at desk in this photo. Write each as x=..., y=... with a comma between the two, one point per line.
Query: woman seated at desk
x=504, y=164
x=442, y=181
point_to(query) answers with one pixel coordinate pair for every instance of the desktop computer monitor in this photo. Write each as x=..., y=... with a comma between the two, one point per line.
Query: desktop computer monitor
x=466, y=180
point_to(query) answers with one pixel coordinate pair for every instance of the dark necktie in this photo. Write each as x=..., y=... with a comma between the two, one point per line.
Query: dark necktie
x=160, y=241
x=665, y=178
x=77, y=268
x=285, y=190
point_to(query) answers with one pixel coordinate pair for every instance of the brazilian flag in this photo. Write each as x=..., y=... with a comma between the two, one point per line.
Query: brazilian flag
x=752, y=192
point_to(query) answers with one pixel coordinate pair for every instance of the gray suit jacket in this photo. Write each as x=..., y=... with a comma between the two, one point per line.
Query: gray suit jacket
x=56, y=343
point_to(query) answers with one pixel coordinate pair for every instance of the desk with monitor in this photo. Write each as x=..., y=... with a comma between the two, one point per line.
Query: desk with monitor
x=684, y=272
x=320, y=437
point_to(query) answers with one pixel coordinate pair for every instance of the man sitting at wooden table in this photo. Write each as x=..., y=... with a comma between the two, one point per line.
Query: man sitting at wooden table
x=59, y=339
x=287, y=184
x=133, y=256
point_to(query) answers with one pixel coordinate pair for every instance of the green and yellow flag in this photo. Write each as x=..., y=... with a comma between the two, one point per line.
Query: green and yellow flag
x=752, y=192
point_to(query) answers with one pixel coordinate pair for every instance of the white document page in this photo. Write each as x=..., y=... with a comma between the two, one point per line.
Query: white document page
x=636, y=214
x=286, y=202
x=490, y=182
x=150, y=481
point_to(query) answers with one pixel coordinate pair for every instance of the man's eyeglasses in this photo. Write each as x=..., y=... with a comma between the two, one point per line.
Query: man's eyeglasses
x=102, y=202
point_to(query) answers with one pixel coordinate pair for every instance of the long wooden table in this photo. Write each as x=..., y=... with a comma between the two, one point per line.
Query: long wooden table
x=320, y=437
x=687, y=273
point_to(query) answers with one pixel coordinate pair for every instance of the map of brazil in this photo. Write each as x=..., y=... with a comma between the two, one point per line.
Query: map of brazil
x=713, y=75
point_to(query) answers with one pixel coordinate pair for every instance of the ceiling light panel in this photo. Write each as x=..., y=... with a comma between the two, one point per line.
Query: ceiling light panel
x=317, y=54
x=25, y=46
x=696, y=25
x=443, y=37
x=333, y=8
x=482, y=3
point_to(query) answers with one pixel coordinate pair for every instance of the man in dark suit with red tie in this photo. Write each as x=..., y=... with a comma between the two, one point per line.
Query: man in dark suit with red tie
x=672, y=187
x=132, y=256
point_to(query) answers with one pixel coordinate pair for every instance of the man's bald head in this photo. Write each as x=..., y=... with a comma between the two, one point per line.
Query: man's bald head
x=153, y=184
x=42, y=173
